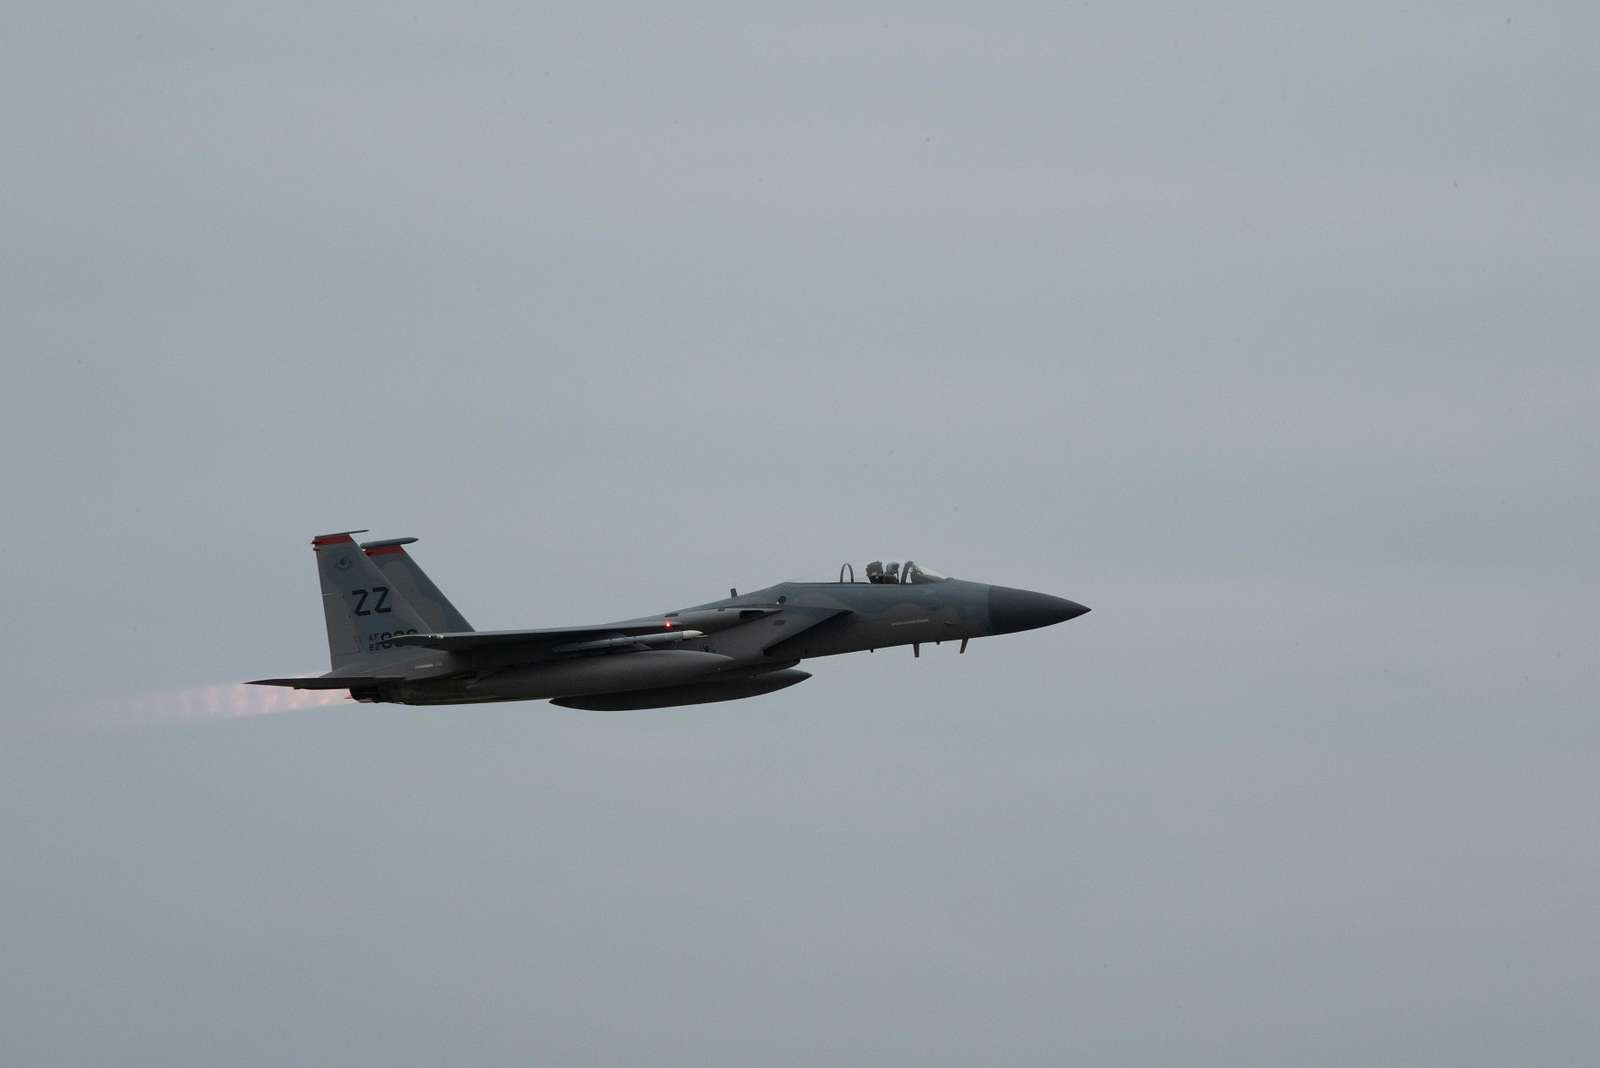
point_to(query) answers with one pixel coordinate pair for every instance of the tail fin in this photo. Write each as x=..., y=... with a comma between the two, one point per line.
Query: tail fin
x=411, y=582
x=363, y=611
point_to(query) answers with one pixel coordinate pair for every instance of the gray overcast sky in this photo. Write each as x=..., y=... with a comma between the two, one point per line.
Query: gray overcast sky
x=1266, y=330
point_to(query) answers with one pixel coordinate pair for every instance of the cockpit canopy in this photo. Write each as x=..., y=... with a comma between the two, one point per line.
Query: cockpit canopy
x=892, y=573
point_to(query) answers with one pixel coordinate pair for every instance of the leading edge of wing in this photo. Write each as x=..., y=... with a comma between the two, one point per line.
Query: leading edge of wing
x=467, y=641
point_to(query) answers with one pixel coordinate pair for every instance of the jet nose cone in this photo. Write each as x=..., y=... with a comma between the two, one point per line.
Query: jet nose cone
x=1013, y=610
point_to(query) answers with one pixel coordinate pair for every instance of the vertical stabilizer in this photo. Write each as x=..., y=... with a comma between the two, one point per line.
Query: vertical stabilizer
x=407, y=577
x=362, y=609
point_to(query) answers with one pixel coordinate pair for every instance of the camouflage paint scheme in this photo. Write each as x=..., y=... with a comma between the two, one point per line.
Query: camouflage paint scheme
x=394, y=636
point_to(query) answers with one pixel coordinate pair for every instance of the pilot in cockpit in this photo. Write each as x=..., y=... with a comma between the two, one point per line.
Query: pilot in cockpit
x=892, y=574
x=882, y=573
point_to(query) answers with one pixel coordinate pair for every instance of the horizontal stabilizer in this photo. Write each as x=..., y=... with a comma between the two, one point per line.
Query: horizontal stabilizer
x=329, y=682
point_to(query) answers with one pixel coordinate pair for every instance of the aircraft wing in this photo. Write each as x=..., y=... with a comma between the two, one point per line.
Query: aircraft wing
x=482, y=640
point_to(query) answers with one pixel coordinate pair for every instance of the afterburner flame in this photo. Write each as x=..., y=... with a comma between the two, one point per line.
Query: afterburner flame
x=220, y=700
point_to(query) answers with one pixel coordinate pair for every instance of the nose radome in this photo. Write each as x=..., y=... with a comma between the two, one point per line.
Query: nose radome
x=1013, y=610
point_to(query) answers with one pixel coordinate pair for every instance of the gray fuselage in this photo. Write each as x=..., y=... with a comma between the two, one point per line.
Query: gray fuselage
x=744, y=645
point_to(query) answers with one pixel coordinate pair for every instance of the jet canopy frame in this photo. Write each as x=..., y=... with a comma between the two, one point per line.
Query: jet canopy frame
x=893, y=573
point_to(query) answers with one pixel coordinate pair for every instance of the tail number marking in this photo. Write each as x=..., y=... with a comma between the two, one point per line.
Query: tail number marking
x=377, y=642
x=380, y=606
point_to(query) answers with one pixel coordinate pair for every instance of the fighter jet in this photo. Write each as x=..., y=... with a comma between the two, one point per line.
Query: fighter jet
x=394, y=636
